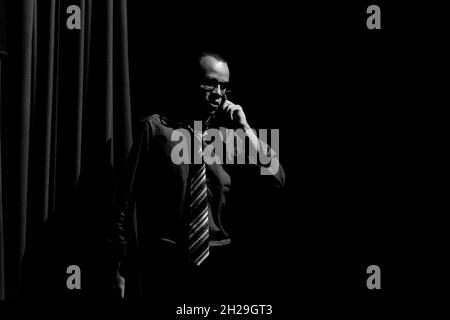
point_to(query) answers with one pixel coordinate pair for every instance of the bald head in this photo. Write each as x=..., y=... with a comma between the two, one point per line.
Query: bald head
x=214, y=67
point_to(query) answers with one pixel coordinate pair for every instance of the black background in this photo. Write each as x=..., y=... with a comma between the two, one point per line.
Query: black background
x=341, y=96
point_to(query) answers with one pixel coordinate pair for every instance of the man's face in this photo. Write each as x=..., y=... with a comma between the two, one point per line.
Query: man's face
x=214, y=83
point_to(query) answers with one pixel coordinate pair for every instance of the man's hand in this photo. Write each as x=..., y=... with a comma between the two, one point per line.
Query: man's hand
x=234, y=114
x=119, y=284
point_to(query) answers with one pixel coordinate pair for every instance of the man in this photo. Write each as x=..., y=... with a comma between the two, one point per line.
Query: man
x=180, y=205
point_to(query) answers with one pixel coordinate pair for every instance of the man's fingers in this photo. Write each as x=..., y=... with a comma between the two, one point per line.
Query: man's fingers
x=231, y=109
x=226, y=105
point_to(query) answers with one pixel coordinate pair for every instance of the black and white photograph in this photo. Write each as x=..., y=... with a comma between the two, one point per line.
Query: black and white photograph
x=213, y=159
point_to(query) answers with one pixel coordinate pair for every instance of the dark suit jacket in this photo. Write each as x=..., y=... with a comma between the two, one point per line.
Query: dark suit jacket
x=158, y=187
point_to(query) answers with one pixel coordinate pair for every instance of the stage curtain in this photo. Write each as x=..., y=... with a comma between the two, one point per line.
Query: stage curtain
x=66, y=131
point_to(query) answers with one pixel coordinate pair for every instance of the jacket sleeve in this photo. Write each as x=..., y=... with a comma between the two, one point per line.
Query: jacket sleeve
x=117, y=234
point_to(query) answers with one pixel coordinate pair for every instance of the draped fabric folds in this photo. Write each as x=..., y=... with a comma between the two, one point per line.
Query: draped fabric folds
x=65, y=133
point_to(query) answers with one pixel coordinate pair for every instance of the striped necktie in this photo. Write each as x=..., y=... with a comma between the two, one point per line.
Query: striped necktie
x=198, y=226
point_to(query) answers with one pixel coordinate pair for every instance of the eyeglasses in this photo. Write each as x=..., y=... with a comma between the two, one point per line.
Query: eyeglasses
x=211, y=84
